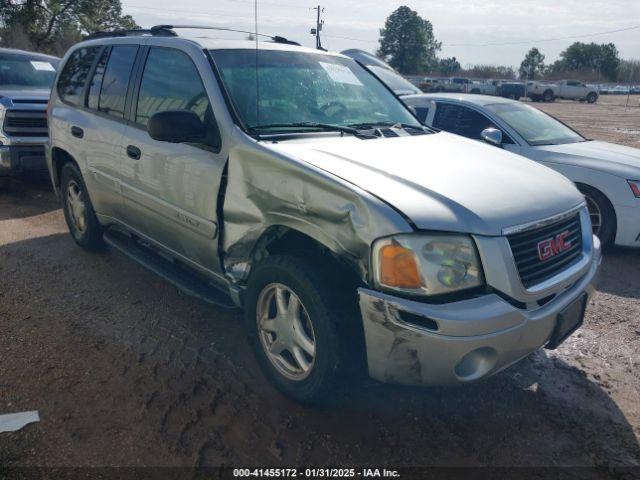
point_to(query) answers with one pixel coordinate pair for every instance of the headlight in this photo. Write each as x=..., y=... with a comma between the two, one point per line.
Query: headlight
x=426, y=264
x=635, y=187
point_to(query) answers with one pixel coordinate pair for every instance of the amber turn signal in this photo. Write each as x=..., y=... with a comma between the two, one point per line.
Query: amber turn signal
x=398, y=267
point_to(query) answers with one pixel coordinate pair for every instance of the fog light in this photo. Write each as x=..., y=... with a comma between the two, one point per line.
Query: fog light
x=476, y=364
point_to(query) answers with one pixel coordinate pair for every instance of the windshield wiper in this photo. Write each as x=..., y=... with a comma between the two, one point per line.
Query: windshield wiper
x=372, y=125
x=326, y=127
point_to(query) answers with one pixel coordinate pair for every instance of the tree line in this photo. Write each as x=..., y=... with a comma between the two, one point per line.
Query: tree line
x=52, y=26
x=408, y=44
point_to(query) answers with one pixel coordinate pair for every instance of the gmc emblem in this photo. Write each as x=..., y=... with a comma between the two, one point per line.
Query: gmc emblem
x=551, y=247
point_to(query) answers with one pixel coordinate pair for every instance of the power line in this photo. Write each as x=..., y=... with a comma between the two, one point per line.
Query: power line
x=496, y=44
x=248, y=2
x=570, y=37
x=209, y=13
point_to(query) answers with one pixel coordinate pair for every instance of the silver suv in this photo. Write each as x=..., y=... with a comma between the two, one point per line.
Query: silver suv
x=291, y=182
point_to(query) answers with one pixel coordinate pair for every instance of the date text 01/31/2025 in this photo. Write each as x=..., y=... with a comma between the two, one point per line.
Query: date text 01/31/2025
x=314, y=473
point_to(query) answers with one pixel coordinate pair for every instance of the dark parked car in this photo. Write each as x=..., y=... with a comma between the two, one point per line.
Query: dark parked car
x=513, y=90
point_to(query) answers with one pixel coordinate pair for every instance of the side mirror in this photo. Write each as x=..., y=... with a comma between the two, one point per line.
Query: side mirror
x=492, y=136
x=176, y=126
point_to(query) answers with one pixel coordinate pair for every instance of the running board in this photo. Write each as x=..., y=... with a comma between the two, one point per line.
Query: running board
x=190, y=283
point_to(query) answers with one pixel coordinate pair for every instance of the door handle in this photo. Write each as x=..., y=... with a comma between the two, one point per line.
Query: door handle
x=77, y=132
x=134, y=152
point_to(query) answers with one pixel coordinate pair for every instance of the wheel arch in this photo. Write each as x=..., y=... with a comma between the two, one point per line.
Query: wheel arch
x=287, y=240
x=581, y=186
x=60, y=157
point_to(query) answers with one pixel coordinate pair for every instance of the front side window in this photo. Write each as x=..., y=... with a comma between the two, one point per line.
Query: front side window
x=536, y=127
x=25, y=72
x=116, y=80
x=422, y=113
x=171, y=82
x=294, y=88
x=74, y=74
x=461, y=120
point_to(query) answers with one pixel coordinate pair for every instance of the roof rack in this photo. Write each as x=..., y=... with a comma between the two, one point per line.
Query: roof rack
x=167, y=31
x=159, y=29
x=130, y=33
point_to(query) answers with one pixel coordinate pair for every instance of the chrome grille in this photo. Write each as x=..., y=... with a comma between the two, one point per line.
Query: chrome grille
x=26, y=123
x=525, y=249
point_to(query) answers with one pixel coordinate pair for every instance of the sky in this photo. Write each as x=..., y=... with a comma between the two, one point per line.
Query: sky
x=466, y=28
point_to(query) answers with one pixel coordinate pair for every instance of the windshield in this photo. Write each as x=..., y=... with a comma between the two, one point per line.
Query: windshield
x=394, y=81
x=306, y=88
x=536, y=127
x=24, y=72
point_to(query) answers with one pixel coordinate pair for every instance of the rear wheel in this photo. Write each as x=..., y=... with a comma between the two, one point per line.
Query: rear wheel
x=295, y=325
x=78, y=210
x=602, y=214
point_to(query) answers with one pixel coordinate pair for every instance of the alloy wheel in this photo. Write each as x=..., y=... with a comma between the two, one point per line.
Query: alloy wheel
x=595, y=214
x=76, y=206
x=286, y=332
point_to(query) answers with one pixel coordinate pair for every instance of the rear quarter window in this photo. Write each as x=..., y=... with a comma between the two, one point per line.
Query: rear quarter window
x=74, y=74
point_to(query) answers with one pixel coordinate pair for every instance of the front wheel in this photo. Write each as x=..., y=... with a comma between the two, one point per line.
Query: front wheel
x=548, y=96
x=592, y=97
x=294, y=326
x=603, y=216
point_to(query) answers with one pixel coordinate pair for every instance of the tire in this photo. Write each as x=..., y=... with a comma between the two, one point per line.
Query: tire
x=322, y=321
x=592, y=97
x=548, y=96
x=78, y=210
x=603, y=216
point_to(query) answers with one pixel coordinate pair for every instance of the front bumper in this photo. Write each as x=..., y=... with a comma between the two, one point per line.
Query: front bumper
x=475, y=338
x=15, y=159
x=628, y=232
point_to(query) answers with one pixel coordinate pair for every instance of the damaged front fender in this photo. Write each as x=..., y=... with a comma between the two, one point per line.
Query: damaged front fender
x=268, y=189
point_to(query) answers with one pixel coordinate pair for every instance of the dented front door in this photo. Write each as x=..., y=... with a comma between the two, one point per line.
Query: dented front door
x=170, y=190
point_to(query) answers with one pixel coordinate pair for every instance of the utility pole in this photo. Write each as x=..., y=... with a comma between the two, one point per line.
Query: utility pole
x=319, y=23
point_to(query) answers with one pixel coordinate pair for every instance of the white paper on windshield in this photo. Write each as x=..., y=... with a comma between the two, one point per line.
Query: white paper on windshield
x=340, y=74
x=43, y=66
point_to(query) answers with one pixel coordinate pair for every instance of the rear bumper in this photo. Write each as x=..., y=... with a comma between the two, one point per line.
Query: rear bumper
x=16, y=159
x=474, y=338
x=628, y=232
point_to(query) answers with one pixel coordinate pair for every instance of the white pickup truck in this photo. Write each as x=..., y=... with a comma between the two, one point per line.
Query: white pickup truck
x=567, y=89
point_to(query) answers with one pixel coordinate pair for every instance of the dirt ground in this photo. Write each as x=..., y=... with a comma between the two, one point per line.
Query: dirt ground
x=127, y=371
x=612, y=118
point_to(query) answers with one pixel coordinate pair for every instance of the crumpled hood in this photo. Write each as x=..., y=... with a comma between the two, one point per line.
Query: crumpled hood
x=443, y=182
x=608, y=157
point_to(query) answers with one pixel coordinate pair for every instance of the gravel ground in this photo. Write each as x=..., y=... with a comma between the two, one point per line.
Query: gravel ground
x=127, y=371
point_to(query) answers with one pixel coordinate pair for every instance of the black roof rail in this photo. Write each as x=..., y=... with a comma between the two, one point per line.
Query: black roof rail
x=130, y=33
x=164, y=29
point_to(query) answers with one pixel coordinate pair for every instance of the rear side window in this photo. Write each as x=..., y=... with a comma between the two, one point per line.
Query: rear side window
x=171, y=82
x=116, y=80
x=74, y=74
x=96, y=81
